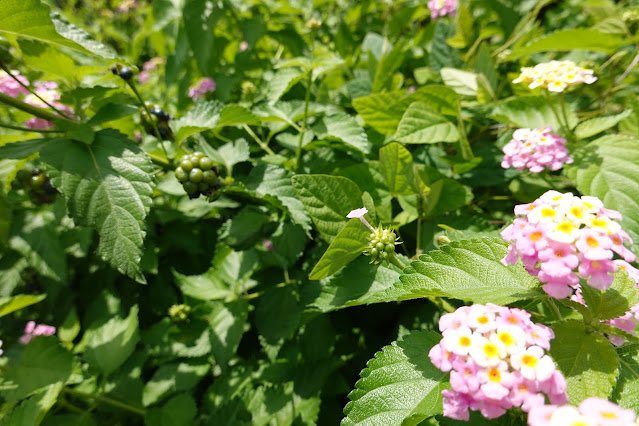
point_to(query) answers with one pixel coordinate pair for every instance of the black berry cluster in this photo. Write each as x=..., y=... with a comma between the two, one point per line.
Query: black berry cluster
x=36, y=183
x=198, y=176
x=161, y=119
x=124, y=72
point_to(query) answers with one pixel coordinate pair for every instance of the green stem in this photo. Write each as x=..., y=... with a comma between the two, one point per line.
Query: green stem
x=395, y=261
x=262, y=145
x=568, y=130
x=554, y=111
x=105, y=400
x=464, y=145
x=30, y=90
x=553, y=307
x=159, y=160
x=307, y=99
x=443, y=304
x=27, y=129
x=35, y=111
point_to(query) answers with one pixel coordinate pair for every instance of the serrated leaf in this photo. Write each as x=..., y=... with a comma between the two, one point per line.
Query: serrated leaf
x=396, y=164
x=19, y=301
x=108, y=186
x=462, y=82
x=235, y=115
x=43, y=363
x=398, y=384
x=23, y=149
x=205, y=115
x=530, y=112
x=626, y=392
x=111, y=112
x=172, y=378
x=597, y=125
x=227, y=321
x=327, y=199
x=587, y=360
x=30, y=19
x=200, y=19
x=32, y=410
x=178, y=411
x=607, y=168
x=420, y=125
x=112, y=343
x=231, y=153
x=344, y=128
x=441, y=54
x=615, y=301
x=349, y=243
x=283, y=80
x=576, y=38
x=466, y=270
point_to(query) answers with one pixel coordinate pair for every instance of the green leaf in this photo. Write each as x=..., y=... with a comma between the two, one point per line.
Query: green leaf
x=576, y=38
x=19, y=301
x=32, y=410
x=42, y=363
x=277, y=315
x=587, y=360
x=396, y=164
x=597, y=125
x=462, y=82
x=615, y=301
x=466, y=270
x=349, y=243
x=327, y=199
x=455, y=195
x=607, y=168
x=530, y=112
x=44, y=57
x=344, y=128
x=441, y=54
x=626, y=392
x=235, y=115
x=108, y=186
x=112, y=343
x=173, y=378
x=178, y=411
x=204, y=115
x=231, y=153
x=30, y=19
x=83, y=419
x=23, y=149
x=464, y=34
x=200, y=21
x=399, y=386
x=227, y=321
x=112, y=112
x=420, y=125
x=282, y=82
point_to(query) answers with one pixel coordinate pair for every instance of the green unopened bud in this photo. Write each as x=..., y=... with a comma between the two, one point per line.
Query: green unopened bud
x=313, y=24
x=381, y=246
x=248, y=89
x=179, y=313
x=440, y=240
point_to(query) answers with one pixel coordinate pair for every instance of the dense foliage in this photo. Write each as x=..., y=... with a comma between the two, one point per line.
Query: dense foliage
x=175, y=180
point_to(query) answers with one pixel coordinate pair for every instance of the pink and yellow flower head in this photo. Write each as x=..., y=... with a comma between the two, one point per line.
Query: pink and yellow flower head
x=496, y=358
x=442, y=7
x=536, y=150
x=591, y=412
x=556, y=76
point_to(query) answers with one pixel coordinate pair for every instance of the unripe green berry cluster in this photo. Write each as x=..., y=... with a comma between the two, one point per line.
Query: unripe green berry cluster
x=381, y=246
x=36, y=183
x=179, y=313
x=161, y=119
x=198, y=176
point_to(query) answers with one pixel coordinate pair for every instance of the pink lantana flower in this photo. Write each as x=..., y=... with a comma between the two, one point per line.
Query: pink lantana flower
x=536, y=150
x=202, y=87
x=9, y=86
x=442, y=7
x=591, y=412
x=31, y=330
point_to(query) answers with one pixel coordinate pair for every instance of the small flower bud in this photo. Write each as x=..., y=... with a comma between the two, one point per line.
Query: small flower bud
x=179, y=313
x=381, y=245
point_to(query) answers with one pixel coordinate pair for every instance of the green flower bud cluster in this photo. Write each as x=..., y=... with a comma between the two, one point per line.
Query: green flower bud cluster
x=199, y=176
x=179, y=313
x=161, y=119
x=381, y=246
x=36, y=182
x=630, y=16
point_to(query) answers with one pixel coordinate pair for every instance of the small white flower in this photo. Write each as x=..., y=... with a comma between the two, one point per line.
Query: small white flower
x=358, y=213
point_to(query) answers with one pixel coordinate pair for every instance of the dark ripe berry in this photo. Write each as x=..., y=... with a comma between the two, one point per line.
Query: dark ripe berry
x=47, y=199
x=37, y=181
x=164, y=132
x=181, y=175
x=126, y=73
x=196, y=176
x=16, y=185
x=190, y=187
x=49, y=189
x=159, y=113
x=202, y=187
x=23, y=175
x=114, y=70
x=206, y=163
x=36, y=171
x=209, y=177
x=186, y=165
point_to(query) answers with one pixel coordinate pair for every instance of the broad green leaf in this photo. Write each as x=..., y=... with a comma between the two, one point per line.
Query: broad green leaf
x=466, y=270
x=464, y=34
x=597, y=125
x=227, y=321
x=576, y=38
x=399, y=385
x=235, y=115
x=283, y=80
x=327, y=199
x=441, y=54
x=450, y=194
x=12, y=264
x=626, y=392
x=44, y=57
x=531, y=112
x=178, y=411
x=112, y=343
x=19, y=301
x=396, y=164
x=277, y=315
x=231, y=153
x=462, y=82
x=484, y=64
x=615, y=301
x=32, y=410
x=392, y=58
x=108, y=186
x=587, y=360
x=30, y=19
x=607, y=168
x=83, y=419
x=191, y=339
x=200, y=20
x=204, y=115
x=344, y=128
x=173, y=378
x=349, y=243
x=43, y=363
x=23, y=149
x=420, y=125
x=111, y=112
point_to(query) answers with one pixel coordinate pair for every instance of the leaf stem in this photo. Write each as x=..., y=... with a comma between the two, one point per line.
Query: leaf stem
x=262, y=145
x=395, y=261
x=464, y=145
x=105, y=400
x=35, y=111
x=553, y=307
x=27, y=129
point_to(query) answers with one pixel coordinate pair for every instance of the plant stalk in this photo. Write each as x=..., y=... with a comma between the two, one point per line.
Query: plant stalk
x=35, y=111
x=105, y=400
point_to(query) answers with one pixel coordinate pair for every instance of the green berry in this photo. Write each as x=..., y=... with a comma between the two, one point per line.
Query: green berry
x=186, y=165
x=209, y=177
x=389, y=248
x=374, y=252
x=198, y=154
x=37, y=181
x=206, y=163
x=23, y=175
x=181, y=175
x=196, y=176
x=190, y=187
x=185, y=157
x=202, y=187
x=16, y=184
x=379, y=246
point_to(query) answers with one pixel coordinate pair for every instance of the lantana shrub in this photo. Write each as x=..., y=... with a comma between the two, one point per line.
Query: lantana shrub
x=300, y=213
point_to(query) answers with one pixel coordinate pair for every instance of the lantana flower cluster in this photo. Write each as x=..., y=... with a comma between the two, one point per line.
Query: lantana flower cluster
x=536, y=150
x=591, y=412
x=32, y=329
x=442, y=7
x=562, y=237
x=497, y=360
x=201, y=88
x=555, y=76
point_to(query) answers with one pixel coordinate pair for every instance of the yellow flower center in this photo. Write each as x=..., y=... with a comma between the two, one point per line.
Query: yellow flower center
x=529, y=361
